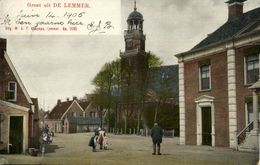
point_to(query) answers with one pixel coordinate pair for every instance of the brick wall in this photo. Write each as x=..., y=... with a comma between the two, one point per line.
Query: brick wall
x=218, y=90
x=7, y=75
x=242, y=89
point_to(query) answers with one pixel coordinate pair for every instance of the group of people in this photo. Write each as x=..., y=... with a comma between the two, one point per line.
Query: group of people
x=99, y=138
x=47, y=135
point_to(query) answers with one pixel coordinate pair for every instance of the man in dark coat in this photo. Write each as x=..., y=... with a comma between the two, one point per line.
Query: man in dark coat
x=156, y=135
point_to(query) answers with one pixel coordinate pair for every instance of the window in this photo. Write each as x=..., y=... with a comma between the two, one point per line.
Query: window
x=252, y=68
x=249, y=112
x=96, y=114
x=73, y=114
x=12, y=91
x=205, y=77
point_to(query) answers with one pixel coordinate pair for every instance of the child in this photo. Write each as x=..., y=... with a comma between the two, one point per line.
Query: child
x=100, y=138
x=93, y=142
x=105, y=142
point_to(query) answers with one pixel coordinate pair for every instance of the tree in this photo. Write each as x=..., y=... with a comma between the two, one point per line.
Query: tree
x=109, y=91
x=154, y=61
x=105, y=82
x=160, y=90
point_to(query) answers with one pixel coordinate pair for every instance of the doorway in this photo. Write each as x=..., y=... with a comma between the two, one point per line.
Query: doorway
x=206, y=126
x=16, y=135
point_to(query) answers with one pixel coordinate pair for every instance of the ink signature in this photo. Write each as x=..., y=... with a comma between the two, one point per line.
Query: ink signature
x=98, y=27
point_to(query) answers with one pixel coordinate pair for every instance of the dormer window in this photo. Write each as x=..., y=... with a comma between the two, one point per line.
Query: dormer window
x=12, y=91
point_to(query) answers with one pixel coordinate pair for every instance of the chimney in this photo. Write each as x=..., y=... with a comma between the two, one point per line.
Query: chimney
x=58, y=101
x=235, y=8
x=75, y=98
x=2, y=46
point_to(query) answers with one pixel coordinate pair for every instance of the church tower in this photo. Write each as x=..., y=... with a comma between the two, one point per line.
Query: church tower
x=134, y=60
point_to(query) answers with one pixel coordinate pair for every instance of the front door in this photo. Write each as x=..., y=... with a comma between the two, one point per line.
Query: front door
x=16, y=135
x=206, y=126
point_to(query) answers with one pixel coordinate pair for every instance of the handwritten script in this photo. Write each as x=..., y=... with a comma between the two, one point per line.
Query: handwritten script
x=58, y=18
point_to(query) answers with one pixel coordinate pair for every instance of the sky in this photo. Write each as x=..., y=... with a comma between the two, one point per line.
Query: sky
x=62, y=66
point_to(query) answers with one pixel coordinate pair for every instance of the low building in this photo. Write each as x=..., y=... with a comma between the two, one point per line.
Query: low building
x=79, y=124
x=63, y=116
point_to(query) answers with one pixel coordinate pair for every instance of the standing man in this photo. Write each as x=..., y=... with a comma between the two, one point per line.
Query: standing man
x=156, y=135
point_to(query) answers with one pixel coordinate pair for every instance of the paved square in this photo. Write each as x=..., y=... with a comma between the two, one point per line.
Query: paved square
x=131, y=150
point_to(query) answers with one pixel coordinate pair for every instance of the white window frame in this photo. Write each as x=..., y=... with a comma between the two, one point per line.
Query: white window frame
x=200, y=87
x=246, y=113
x=15, y=90
x=245, y=70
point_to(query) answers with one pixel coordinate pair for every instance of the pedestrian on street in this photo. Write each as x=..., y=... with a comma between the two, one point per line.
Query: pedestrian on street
x=46, y=129
x=101, y=138
x=93, y=142
x=105, y=142
x=156, y=135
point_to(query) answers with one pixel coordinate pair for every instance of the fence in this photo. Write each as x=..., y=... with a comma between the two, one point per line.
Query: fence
x=142, y=132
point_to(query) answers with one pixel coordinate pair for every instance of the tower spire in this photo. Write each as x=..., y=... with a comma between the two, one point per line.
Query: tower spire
x=135, y=6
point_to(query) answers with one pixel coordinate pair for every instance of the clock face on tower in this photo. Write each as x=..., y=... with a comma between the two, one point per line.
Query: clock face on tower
x=129, y=44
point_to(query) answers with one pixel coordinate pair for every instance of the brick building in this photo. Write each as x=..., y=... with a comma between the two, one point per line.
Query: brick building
x=18, y=113
x=214, y=80
x=67, y=115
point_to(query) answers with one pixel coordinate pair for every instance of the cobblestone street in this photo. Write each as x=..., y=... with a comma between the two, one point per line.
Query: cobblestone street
x=128, y=150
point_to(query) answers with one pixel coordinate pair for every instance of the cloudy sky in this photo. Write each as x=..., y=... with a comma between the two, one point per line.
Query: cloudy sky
x=58, y=67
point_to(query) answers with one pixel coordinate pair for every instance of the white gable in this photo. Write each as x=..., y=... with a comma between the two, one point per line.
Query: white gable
x=74, y=102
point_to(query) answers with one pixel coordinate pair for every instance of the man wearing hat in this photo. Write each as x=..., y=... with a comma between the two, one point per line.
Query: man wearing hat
x=156, y=135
